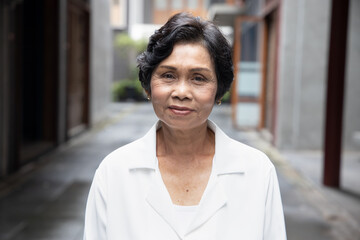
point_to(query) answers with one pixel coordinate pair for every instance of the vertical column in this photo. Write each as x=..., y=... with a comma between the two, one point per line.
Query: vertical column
x=335, y=92
x=61, y=114
x=3, y=92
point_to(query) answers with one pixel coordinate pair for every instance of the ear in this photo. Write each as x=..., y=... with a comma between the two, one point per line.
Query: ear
x=218, y=99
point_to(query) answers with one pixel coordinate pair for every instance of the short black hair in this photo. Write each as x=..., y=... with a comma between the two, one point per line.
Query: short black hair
x=185, y=28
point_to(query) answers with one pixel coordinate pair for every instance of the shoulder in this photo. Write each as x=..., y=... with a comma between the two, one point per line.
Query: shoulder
x=119, y=159
x=239, y=154
x=139, y=154
x=252, y=156
x=123, y=154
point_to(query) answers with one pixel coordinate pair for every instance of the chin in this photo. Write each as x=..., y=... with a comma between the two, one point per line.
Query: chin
x=184, y=124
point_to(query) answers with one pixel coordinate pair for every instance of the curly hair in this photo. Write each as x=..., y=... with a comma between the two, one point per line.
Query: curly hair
x=185, y=28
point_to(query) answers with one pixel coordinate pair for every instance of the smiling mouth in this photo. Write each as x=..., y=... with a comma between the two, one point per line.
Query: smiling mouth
x=180, y=110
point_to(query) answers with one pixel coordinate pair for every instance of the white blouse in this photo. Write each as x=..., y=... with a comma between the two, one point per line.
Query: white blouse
x=129, y=201
x=184, y=215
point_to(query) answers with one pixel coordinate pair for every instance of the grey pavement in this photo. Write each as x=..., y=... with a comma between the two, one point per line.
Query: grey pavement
x=46, y=200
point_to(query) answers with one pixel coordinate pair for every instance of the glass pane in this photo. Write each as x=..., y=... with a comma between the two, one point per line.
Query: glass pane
x=249, y=79
x=249, y=76
x=247, y=114
x=249, y=41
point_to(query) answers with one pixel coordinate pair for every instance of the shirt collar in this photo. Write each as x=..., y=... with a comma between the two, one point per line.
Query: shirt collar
x=144, y=151
x=229, y=157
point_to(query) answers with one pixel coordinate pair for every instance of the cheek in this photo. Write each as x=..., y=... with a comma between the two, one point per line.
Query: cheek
x=159, y=92
x=208, y=95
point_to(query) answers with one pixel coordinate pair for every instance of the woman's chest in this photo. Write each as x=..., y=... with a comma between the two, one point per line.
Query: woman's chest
x=186, y=183
x=144, y=211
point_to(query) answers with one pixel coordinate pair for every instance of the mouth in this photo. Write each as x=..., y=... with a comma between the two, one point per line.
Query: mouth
x=178, y=110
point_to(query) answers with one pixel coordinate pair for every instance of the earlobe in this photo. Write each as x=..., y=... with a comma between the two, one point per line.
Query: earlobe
x=148, y=95
x=218, y=100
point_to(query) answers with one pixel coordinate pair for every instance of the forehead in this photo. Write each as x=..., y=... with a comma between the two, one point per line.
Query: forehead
x=186, y=54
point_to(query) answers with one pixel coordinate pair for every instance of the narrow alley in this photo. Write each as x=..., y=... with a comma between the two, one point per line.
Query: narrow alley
x=47, y=199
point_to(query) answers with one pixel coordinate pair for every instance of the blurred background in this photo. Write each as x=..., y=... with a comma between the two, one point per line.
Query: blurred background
x=68, y=75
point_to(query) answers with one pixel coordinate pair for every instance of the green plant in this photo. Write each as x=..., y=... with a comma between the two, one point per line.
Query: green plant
x=125, y=44
x=226, y=97
x=127, y=89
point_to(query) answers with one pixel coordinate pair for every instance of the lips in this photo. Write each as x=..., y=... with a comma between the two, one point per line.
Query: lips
x=178, y=110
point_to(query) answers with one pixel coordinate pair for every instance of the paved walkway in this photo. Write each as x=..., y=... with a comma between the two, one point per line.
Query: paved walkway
x=46, y=200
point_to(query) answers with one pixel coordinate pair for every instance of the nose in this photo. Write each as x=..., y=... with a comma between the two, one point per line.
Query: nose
x=182, y=90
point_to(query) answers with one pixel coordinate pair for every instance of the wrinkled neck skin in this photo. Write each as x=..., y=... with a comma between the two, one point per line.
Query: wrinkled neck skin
x=185, y=146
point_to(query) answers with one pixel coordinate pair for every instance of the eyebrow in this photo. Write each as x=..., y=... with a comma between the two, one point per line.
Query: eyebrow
x=191, y=70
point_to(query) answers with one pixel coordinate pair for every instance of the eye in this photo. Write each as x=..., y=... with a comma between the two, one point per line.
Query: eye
x=168, y=76
x=199, y=78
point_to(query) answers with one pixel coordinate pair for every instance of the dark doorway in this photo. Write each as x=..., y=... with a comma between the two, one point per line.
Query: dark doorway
x=30, y=56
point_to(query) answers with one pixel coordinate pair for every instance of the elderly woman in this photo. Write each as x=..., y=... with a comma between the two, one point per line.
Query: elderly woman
x=185, y=179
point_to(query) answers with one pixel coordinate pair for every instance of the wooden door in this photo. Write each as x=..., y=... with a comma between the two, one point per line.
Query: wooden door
x=77, y=67
x=30, y=57
x=271, y=61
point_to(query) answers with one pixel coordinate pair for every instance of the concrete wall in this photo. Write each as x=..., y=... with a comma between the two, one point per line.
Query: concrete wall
x=148, y=12
x=352, y=89
x=101, y=57
x=302, y=73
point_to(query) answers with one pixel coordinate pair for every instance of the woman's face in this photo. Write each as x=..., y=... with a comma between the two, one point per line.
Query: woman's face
x=183, y=87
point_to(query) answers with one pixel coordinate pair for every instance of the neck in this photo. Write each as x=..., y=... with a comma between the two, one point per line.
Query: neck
x=189, y=142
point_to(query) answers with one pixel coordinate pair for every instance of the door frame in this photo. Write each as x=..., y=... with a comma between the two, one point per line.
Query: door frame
x=83, y=6
x=235, y=99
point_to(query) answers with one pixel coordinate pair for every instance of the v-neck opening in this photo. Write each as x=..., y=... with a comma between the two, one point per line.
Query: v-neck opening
x=210, y=180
